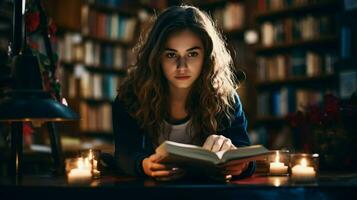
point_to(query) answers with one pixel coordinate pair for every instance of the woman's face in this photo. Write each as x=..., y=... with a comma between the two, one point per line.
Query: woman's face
x=182, y=59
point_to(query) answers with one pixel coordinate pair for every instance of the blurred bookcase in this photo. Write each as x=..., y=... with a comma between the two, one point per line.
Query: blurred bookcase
x=296, y=58
x=95, y=48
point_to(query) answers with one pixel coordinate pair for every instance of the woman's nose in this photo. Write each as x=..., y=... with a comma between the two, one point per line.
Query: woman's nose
x=181, y=62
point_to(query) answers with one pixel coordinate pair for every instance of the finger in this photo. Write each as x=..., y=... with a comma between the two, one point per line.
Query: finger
x=171, y=178
x=232, y=172
x=218, y=143
x=209, y=142
x=226, y=145
x=158, y=166
x=154, y=157
x=161, y=173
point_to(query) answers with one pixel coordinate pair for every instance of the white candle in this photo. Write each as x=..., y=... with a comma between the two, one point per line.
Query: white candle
x=81, y=174
x=277, y=167
x=303, y=172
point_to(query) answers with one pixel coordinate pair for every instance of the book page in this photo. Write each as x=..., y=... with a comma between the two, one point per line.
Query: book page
x=220, y=153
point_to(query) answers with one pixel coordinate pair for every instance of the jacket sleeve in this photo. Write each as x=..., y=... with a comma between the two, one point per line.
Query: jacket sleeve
x=237, y=133
x=129, y=142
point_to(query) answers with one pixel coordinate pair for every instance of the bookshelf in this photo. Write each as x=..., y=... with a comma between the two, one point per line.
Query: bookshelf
x=5, y=37
x=347, y=65
x=296, y=58
x=94, y=57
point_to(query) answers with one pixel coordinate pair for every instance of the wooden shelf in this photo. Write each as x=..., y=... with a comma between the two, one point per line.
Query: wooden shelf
x=64, y=29
x=213, y=4
x=124, y=10
x=105, y=135
x=96, y=101
x=324, y=40
x=346, y=64
x=93, y=133
x=237, y=33
x=103, y=69
x=108, y=40
x=271, y=119
x=297, y=80
x=298, y=9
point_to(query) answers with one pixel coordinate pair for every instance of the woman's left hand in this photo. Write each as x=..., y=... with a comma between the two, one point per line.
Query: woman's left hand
x=218, y=143
x=234, y=169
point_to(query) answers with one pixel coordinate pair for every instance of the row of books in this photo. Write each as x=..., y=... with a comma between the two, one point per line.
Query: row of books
x=108, y=55
x=269, y=5
x=113, y=3
x=296, y=29
x=99, y=86
x=231, y=17
x=72, y=48
x=110, y=26
x=96, y=118
x=298, y=63
x=86, y=85
x=286, y=100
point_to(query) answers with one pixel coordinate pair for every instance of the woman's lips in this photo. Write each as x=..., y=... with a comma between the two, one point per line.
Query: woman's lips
x=182, y=77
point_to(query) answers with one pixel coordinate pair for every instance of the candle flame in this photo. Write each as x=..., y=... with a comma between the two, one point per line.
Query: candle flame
x=277, y=182
x=277, y=157
x=90, y=156
x=303, y=162
x=80, y=163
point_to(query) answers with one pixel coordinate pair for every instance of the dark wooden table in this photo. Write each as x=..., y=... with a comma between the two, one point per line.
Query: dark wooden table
x=327, y=186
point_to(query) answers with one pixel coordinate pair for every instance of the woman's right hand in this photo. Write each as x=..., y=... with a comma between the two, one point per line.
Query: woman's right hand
x=159, y=171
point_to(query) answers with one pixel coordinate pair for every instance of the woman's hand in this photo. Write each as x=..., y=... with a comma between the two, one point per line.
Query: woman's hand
x=218, y=143
x=159, y=171
x=226, y=173
x=234, y=169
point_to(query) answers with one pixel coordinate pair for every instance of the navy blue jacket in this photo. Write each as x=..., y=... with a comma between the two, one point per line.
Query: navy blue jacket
x=132, y=146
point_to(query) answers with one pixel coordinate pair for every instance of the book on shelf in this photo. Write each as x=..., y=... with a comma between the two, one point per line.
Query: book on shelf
x=290, y=29
x=187, y=155
x=280, y=102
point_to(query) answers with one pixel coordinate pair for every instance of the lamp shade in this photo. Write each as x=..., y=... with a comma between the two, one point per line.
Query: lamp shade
x=30, y=105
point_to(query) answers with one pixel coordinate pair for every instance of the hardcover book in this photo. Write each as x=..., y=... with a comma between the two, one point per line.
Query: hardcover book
x=190, y=155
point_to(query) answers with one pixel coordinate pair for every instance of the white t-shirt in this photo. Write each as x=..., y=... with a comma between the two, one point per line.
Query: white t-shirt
x=179, y=133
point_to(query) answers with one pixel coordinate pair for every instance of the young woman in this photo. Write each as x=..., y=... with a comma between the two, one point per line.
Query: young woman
x=181, y=89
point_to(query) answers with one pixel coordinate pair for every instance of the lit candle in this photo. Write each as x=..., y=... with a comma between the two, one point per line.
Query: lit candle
x=303, y=172
x=82, y=173
x=277, y=167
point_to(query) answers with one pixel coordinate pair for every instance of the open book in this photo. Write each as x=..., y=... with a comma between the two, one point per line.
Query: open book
x=186, y=154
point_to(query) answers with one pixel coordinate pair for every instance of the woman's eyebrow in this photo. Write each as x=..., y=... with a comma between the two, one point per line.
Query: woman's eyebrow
x=190, y=49
x=193, y=48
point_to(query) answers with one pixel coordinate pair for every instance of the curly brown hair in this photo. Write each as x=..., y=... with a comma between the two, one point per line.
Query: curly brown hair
x=212, y=97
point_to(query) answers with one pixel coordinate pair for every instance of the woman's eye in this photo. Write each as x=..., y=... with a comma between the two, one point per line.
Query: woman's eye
x=171, y=55
x=192, y=54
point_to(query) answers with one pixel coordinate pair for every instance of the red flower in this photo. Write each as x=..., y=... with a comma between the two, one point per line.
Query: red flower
x=33, y=45
x=331, y=108
x=314, y=115
x=27, y=128
x=296, y=119
x=32, y=21
x=331, y=104
x=52, y=28
x=46, y=81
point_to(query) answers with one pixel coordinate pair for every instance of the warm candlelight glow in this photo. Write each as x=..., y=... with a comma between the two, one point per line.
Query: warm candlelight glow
x=303, y=172
x=277, y=158
x=277, y=167
x=303, y=162
x=86, y=168
x=90, y=155
x=82, y=173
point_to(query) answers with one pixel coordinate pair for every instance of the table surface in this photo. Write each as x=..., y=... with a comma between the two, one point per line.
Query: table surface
x=326, y=186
